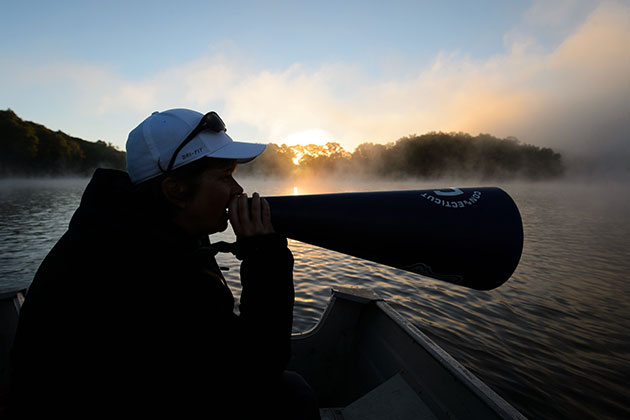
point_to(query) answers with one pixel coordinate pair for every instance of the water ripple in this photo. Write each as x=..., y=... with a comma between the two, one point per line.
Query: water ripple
x=553, y=340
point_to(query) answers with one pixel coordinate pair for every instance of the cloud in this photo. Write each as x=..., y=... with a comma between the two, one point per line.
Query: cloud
x=573, y=96
x=583, y=87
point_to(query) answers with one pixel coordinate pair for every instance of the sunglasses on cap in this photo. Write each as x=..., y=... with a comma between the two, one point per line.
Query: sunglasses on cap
x=210, y=121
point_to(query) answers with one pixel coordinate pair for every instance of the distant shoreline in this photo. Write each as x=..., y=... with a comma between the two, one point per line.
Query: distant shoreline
x=30, y=150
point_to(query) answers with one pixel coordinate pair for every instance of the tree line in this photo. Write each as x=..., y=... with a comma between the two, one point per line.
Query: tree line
x=27, y=148
x=432, y=155
x=30, y=149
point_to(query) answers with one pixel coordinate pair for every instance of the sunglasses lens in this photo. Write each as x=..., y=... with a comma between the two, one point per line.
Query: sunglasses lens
x=215, y=123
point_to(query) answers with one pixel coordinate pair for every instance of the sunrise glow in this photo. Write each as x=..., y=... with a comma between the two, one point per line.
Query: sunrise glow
x=314, y=136
x=298, y=156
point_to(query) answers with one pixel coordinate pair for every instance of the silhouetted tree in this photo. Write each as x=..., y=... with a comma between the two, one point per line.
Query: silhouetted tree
x=27, y=148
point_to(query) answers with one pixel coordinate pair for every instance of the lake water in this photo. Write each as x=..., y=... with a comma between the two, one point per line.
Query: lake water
x=553, y=341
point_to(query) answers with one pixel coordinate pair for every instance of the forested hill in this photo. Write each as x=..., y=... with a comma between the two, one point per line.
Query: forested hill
x=30, y=149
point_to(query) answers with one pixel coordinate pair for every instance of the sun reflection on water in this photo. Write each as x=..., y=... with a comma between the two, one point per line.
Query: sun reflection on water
x=557, y=331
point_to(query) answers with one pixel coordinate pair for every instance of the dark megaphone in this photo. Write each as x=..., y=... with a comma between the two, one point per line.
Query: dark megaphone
x=472, y=237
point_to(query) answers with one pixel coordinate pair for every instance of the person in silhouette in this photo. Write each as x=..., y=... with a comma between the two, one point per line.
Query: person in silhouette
x=129, y=313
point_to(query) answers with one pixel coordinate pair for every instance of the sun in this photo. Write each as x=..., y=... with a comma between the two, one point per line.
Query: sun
x=313, y=143
x=313, y=136
x=297, y=158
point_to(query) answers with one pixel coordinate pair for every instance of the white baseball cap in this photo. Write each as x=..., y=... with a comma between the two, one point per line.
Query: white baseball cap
x=170, y=139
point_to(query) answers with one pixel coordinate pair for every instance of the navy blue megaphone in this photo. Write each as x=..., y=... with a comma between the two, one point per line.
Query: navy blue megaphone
x=472, y=237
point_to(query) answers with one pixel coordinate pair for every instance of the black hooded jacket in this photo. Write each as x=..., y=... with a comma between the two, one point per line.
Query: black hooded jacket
x=128, y=313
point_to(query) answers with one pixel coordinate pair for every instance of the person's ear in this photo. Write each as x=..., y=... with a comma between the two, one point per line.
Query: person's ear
x=174, y=192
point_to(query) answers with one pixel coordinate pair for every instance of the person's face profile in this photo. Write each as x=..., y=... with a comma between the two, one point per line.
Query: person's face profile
x=206, y=211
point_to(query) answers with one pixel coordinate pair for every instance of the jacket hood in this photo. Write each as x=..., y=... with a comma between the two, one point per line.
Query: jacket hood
x=107, y=202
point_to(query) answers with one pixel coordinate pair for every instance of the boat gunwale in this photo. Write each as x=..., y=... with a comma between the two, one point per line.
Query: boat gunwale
x=472, y=382
x=364, y=299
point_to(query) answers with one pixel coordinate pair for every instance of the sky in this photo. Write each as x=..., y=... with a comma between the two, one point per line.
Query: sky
x=553, y=73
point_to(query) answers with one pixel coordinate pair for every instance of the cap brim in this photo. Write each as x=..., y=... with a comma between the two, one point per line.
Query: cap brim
x=242, y=152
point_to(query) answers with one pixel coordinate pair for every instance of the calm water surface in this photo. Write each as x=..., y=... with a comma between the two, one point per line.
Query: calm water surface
x=553, y=340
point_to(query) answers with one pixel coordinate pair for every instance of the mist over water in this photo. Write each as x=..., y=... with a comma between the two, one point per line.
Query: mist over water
x=553, y=340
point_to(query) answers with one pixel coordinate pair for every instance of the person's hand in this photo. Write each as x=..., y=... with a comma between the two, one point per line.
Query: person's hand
x=248, y=221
